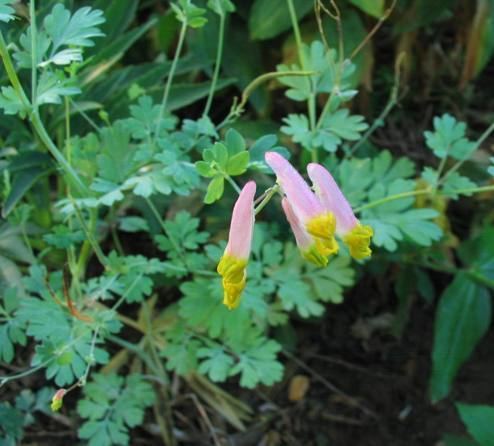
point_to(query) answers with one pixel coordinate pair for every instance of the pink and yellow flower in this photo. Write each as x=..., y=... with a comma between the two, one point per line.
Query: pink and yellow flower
x=233, y=263
x=355, y=235
x=313, y=225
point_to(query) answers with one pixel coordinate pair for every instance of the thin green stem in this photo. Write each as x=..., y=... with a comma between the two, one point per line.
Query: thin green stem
x=412, y=193
x=392, y=101
x=217, y=66
x=34, y=56
x=157, y=215
x=52, y=148
x=480, y=279
x=36, y=120
x=84, y=115
x=311, y=101
x=478, y=143
x=232, y=183
x=399, y=196
x=171, y=74
x=122, y=298
x=90, y=241
x=268, y=195
x=11, y=73
x=238, y=108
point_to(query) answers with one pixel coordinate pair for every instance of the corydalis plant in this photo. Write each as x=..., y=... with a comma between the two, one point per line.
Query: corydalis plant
x=315, y=217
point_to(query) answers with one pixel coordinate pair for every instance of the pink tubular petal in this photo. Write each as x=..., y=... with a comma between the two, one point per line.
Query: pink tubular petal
x=332, y=198
x=242, y=223
x=303, y=239
x=303, y=201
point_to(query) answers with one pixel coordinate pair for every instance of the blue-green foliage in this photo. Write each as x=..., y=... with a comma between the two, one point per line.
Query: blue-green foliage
x=111, y=406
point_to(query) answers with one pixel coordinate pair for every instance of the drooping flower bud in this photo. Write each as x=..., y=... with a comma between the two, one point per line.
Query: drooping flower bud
x=233, y=263
x=355, y=235
x=57, y=400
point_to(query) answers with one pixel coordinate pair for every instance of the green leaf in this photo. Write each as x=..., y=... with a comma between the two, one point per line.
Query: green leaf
x=337, y=127
x=78, y=29
x=478, y=253
x=330, y=73
x=13, y=330
x=116, y=160
x=257, y=362
x=297, y=126
x=396, y=220
x=182, y=355
x=234, y=142
x=111, y=405
x=52, y=86
x=448, y=138
x=203, y=309
x=144, y=119
x=182, y=231
x=296, y=295
x=215, y=189
x=11, y=423
x=6, y=11
x=204, y=169
x=262, y=145
x=133, y=224
x=237, y=164
x=187, y=13
x=454, y=183
x=268, y=18
x=463, y=316
x=27, y=168
x=217, y=364
x=329, y=282
x=11, y=103
x=221, y=7
x=64, y=237
x=374, y=8
x=479, y=421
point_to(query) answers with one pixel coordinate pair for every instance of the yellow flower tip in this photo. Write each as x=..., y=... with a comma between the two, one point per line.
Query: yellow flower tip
x=358, y=241
x=234, y=276
x=322, y=226
x=312, y=255
x=319, y=252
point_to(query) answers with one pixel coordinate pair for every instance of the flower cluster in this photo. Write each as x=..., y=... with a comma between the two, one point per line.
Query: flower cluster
x=317, y=216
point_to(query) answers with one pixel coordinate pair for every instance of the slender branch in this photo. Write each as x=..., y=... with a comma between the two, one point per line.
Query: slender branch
x=267, y=197
x=219, y=55
x=12, y=73
x=238, y=108
x=169, y=80
x=413, y=193
x=364, y=42
x=311, y=101
x=478, y=143
x=232, y=183
x=34, y=57
x=392, y=101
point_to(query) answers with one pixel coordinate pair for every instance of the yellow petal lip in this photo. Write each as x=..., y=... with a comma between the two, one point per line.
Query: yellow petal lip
x=233, y=272
x=322, y=226
x=358, y=241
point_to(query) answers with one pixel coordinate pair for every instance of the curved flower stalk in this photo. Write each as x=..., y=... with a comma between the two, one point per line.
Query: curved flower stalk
x=233, y=263
x=355, y=235
x=313, y=225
